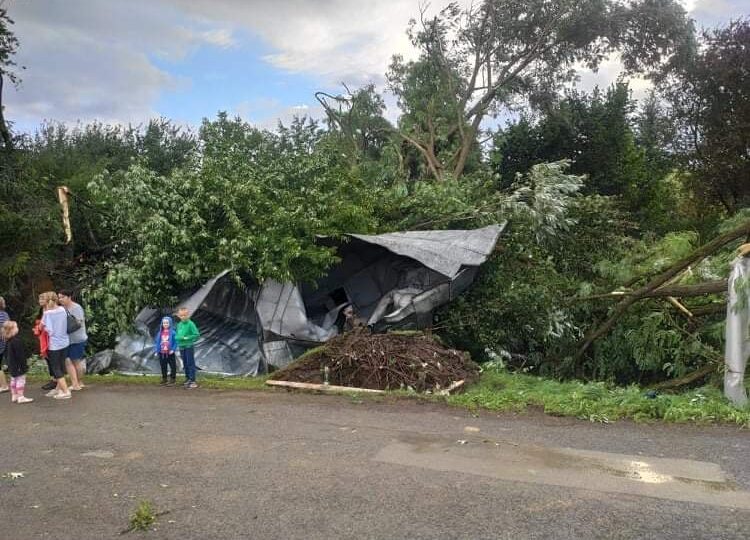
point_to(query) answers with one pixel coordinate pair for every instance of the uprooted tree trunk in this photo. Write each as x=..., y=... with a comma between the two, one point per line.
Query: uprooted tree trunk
x=656, y=283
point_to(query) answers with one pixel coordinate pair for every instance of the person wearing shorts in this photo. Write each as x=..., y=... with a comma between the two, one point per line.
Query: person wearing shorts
x=75, y=364
x=55, y=321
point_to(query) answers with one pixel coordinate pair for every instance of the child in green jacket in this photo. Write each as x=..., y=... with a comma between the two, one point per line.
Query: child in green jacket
x=187, y=335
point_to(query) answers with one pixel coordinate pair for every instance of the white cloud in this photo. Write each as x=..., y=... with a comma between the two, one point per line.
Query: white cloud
x=88, y=61
x=100, y=58
x=266, y=113
x=711, y=13
x=221, y=38
x=337, y=40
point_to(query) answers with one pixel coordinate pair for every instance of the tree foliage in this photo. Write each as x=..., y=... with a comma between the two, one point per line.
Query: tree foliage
x=481, y=60
x=710, y=98
x=622, y=152
x=253, y=202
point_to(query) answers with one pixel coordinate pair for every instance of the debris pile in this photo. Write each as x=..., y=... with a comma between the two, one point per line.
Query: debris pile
x=383, y=362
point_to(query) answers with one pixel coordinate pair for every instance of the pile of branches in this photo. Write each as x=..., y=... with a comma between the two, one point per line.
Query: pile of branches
x=383, y=362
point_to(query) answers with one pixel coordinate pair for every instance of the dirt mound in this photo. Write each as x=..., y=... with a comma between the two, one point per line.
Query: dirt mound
x=382, y=362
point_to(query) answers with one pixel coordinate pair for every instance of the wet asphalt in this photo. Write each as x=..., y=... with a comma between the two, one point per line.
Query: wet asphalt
x=219, y=464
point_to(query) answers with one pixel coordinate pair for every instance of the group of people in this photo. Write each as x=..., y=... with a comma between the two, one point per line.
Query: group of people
x=61, y=330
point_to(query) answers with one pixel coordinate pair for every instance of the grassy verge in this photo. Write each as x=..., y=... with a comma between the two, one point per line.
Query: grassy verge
x=597, y=402
x=504, y=391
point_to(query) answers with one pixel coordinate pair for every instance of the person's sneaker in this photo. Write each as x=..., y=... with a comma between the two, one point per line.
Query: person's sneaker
x=24, y=399
x=163, y=382
x=76, y=388
x=13, y=398
x=192, y=385
x=4, y=389
x=171, y=382
x=51, y=385
x=52, y=393
x=60, y=395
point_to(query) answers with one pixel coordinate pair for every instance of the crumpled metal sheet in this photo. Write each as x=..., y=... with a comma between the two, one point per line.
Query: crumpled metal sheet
x=281, y=311
x=389, y=280
x=225, y=315
x=443, y=251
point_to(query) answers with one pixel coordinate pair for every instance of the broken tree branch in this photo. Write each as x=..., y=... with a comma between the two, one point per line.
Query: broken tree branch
x=680, y=306
x=692, y=377
x=657, y=282
x=710, y=309
x=679, y=291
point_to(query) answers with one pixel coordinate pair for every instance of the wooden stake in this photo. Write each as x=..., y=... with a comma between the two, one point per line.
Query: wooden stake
x=62, y=196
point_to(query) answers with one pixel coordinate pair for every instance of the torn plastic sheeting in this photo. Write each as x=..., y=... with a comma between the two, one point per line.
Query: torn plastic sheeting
x=737, y=333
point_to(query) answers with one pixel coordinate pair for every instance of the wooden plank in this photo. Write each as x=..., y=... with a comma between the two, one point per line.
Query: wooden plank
x=323, y=387
x=452, y=388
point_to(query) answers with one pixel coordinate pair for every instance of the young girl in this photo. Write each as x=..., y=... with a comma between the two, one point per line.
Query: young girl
x=17, y=358
x=165, y=344
x=43, y=337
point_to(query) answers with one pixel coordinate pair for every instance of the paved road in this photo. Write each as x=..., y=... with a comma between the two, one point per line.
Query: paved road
x=278, y=465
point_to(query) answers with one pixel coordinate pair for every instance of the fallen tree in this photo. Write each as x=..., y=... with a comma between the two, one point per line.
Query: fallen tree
x=680, y=291
x=659, y=286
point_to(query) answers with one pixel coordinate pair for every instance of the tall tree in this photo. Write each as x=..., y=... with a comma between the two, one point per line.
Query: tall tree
x=477, y=61
x=356, y=118
x=8, y=47
x=710, y=97
x=622, y=153
x=591, y=129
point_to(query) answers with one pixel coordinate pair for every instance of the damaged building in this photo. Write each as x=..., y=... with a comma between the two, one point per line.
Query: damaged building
x=385, y=281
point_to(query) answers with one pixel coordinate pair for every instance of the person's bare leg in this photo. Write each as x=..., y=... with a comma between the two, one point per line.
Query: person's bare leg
x=72, y=373
x=80, y=366
x=3, y=382
x=62, y=386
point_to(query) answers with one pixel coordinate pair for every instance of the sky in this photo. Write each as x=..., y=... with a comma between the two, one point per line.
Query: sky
x=118, y=61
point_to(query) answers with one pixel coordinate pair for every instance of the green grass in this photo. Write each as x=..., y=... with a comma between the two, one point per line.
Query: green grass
x=597, y=402
x=143, y=517
x=504, y=391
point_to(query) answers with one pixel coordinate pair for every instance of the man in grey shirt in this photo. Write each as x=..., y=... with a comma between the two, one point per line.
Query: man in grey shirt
x=75, y=364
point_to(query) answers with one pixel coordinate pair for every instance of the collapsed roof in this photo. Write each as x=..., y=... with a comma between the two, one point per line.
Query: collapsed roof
x=393, y=280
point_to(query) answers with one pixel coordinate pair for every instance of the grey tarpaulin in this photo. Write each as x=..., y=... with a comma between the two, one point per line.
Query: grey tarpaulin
x=389, y=280
x=737, y=334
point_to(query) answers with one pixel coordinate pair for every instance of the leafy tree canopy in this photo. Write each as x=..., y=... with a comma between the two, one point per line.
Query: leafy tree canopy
x=710, y=98
x=477, y=61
